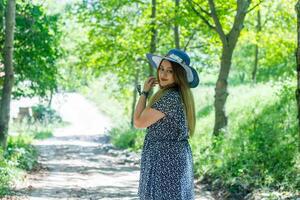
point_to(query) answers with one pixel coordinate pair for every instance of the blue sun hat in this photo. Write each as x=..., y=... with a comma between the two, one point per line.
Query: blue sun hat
x=180, y=57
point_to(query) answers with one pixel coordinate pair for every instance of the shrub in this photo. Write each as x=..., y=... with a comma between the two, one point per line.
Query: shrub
x=43, y=134
x=127, y=138
x=5, y=174
x=45, y=114
x=259, y=149
x=19, y=148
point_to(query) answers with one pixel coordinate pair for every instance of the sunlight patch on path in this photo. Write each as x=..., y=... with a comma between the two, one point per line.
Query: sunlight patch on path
x=76, y=171
x=82, y=115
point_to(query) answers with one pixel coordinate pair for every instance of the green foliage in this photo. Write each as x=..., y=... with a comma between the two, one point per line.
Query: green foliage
x=36, y=44
x=40, y=135
x=36, y=49
x=112, y=37
x=36, y=130
x=20, y=155
x=121, y=34
x=45, y=114
x=73, y=40
x=19, y=149
x=275, y=42
x=7, y=171
x=261, y=148
x=247, y=157
x=117, y=37
x=126, y=138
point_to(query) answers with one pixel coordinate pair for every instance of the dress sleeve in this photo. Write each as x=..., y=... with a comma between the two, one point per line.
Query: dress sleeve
x=169, y=104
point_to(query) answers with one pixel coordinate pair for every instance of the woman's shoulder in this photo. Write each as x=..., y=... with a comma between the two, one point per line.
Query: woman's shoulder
x=173, y=93
x=169, y=103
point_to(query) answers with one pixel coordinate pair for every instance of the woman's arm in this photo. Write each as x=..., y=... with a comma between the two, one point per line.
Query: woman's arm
x=145, y=117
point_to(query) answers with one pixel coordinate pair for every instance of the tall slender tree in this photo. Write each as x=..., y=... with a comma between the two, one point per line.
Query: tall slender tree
x=298, y=67
x=258, y=30
x=153, y=33
x=9, y=71
x=2, y=8
x=176, y=26
x=229, y=41
x=136, y=82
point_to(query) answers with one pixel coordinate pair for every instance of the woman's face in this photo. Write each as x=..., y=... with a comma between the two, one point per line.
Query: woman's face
x=165, y=73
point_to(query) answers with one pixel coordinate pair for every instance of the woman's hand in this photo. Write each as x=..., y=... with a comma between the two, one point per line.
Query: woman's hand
x=149, y=83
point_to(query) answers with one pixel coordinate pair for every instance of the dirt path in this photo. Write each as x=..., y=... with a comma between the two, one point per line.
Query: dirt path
x=80, y=163
x=82, y=167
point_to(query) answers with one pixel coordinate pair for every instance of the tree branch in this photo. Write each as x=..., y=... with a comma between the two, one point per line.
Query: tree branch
x=197, y=47
x=191, y=37
x=219, y=28
x=203, y=10
x=201, y=16
x=254, y=6
x=242, y=6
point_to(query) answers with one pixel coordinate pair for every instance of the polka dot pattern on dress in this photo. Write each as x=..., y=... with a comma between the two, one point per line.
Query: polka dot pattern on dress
x=166, y=160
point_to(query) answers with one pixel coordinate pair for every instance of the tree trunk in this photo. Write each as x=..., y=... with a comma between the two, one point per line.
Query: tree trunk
x=258, y=30
x=176, y=26
x=153, y=33
x=50, y=98
x=229, y=42
x=136, y=80
x=2, y=15
x=9, y=72
x=1, y=30
x=298, y=69
x=221, y=91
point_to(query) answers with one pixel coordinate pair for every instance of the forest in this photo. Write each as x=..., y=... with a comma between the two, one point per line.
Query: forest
x=247, y=139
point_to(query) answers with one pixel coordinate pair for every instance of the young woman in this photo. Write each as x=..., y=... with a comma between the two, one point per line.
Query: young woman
x=166, y=160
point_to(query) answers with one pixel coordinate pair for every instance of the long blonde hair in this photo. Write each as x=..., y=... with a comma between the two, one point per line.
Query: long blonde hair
x=186, y=94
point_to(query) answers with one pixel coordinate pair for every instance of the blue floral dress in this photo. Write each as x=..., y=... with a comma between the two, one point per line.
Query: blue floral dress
x=166, y=160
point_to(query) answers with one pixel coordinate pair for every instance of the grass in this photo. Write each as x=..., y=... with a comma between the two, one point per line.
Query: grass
x=41, y=135
x=258, y=150
x=35, y=131
x=20, y=155
x=127, y=138
x=21, y=150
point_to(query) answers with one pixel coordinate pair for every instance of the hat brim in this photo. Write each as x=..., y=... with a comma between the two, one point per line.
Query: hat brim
x=196, y=80
x=191, y=73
